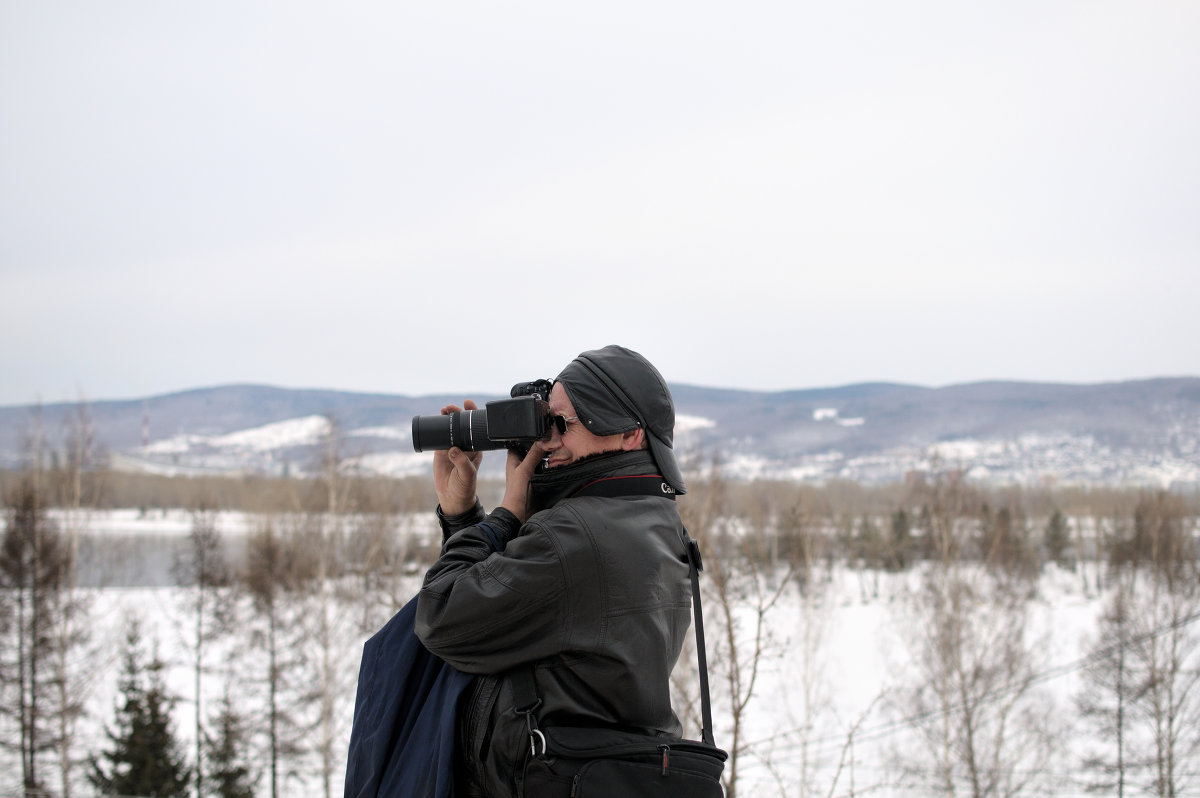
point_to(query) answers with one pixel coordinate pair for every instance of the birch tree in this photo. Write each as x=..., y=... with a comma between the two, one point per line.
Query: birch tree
x=984, y=731
x=80, y=480
x=1106, y=697
x=1166, y=647
x=740, y=596
x=204, y=575
x=273, y=571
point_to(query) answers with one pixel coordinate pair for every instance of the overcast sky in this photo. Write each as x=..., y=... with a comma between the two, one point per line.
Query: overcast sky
x=423, y=197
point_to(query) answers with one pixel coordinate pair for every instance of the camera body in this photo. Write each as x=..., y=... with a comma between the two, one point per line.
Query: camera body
x=514, y=423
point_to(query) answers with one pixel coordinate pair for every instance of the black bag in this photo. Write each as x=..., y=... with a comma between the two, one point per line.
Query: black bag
x=604, y=763
x=574, y=762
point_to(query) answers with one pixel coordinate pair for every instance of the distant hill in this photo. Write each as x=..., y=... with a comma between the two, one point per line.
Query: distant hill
x=1138, y=432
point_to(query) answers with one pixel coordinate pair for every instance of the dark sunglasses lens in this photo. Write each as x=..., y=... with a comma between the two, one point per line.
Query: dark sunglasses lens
x=560, y=423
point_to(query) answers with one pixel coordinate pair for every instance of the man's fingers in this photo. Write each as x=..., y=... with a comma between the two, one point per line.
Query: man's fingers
x=460, y=458
x=536, y=453
x=468, y=404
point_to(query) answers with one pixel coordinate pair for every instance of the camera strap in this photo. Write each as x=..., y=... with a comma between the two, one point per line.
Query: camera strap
x=638, y=485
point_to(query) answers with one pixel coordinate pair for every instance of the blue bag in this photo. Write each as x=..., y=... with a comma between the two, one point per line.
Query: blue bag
x=403, y=737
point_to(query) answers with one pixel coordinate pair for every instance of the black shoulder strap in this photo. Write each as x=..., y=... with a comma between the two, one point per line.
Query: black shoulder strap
x=525, y=687
x=635, y=485
x=695, y=566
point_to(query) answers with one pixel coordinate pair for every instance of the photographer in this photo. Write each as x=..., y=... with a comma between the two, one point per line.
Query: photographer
x=580, y=573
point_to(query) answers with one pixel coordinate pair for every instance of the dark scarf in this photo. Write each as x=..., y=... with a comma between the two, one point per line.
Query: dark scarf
x=548, y=487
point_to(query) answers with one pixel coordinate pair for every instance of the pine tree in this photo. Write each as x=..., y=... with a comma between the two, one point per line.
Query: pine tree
x=229, y=775
x=145, y=758
x=900, y=543
x=1057, y=538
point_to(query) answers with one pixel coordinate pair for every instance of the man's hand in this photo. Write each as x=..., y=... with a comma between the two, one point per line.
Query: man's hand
x=517, y=474
x=456, y=472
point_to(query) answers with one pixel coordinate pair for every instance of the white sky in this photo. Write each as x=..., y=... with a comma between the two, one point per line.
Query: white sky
x=424, y=197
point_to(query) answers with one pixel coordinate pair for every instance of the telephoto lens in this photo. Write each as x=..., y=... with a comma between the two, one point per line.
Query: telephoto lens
x=466, y=429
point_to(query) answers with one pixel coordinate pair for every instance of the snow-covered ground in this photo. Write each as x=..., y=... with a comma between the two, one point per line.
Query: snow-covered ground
x=836, y=658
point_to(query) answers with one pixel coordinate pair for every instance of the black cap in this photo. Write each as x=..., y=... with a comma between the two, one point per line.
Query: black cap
x=616, y=390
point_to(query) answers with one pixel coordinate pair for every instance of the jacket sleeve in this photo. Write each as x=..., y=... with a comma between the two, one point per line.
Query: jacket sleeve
x=492, y=599
x=453, y=523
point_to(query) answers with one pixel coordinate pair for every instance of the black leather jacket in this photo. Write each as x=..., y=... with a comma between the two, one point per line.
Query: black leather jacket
x=593, y=590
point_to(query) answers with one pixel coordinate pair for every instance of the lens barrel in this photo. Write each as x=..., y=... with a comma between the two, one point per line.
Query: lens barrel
x=466, y=429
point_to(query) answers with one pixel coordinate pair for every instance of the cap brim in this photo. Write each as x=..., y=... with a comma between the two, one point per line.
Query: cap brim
x=664, y=458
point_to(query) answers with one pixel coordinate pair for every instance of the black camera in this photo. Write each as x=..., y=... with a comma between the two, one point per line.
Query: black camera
x=514, y=423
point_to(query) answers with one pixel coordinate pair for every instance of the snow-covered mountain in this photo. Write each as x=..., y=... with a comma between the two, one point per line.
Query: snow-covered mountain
x=1141, y=432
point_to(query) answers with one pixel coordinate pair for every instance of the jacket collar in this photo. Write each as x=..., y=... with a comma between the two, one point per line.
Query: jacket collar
x=547, y=488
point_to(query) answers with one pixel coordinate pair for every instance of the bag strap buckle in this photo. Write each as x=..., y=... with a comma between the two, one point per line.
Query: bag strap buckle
x=535, y=734
x=527, y=703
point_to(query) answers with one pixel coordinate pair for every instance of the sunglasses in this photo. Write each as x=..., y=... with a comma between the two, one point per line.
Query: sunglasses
x=560, y=423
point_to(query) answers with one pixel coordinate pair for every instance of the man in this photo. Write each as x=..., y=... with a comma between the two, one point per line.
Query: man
x=581, y=572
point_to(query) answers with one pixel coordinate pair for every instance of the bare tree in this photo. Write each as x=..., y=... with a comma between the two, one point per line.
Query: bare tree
x=812, y=587
x=273, y=571
x=985, y=731
x=34, y=564
x=375, y=558
x=1088, y=550
x=975, y=705
x=1107, y=693
x=79, y=479
x=327, y=627
x=295, y=567
x=741, y=591
x=1004, y=542
x=1165, y=648
x=205, y=576
x=870, y=555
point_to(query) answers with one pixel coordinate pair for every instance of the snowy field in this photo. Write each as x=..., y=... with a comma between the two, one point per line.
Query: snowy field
x=836, y=659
